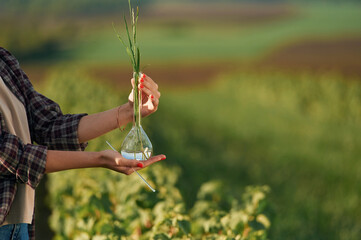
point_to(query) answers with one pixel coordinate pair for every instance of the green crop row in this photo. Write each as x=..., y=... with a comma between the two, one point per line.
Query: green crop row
x=298, y=134
x=99, y=204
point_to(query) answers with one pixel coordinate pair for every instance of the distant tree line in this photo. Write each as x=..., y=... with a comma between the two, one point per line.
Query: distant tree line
x=65, y=7
x=97, y=7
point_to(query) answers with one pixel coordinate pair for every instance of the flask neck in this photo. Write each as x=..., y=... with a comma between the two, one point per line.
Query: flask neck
x=136, y=122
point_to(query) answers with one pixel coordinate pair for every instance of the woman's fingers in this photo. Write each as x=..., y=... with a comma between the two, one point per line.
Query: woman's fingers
x=149, y=80
x=150, y=94
x=154, y=159
x=130, y=163
x=155, y=101
x=148, y=86
x=128, y=166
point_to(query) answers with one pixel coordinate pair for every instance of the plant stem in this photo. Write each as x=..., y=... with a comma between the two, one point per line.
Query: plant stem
x=136, y=100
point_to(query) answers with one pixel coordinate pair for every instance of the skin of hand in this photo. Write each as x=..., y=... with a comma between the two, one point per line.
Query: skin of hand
x=116, y=162
x=150, y=95
x=66, y=160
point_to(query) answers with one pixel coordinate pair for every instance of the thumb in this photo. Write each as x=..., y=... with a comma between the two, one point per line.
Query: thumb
x=130, y=98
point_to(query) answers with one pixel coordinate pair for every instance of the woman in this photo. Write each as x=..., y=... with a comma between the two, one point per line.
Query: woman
x=26, y=117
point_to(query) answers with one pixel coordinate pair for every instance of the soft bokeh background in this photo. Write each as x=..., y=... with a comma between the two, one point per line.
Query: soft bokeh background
x=253, y=93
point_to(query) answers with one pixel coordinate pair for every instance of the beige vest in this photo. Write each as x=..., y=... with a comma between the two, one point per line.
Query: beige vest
x=16, y=121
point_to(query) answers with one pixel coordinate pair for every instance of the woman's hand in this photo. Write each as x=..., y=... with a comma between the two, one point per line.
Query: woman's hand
x=116, y=162
x=150, y=95
x=64, y=160
x=95, y=125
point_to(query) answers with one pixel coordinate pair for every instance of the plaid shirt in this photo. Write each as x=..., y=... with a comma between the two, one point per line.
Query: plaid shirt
x=49, y=128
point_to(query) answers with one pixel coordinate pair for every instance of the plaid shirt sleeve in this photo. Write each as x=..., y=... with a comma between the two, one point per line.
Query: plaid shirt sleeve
x=24, y=163
x=49, y=127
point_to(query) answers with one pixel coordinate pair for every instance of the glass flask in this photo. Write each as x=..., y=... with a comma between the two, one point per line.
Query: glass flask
x=136, y=144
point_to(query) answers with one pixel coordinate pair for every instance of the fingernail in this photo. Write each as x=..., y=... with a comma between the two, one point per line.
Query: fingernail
x=152, y=97
x=140, y=165
x=141, y=86
x=141, y=80
x=164, y=158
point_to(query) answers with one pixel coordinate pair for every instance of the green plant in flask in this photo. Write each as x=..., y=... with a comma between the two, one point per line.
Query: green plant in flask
x=136, y=144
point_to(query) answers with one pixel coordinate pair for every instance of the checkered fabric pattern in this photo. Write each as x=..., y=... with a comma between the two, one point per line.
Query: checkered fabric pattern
x=49, y=128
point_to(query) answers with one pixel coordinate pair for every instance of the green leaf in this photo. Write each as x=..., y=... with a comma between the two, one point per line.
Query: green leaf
x=126, y=47
x=106, y=204
x=161, y=236
x=135, y=25
x=130, y=8
x=131, y=57
x=106, y=229
x=138, y=58
x=185, y=226
x=129, y=39
x=119, y=231
x=256, y=225
x=118, y=35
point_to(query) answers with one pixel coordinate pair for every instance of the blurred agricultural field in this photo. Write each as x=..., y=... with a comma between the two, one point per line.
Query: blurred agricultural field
x=108, y=205
x=252, y=94
x=194, y=39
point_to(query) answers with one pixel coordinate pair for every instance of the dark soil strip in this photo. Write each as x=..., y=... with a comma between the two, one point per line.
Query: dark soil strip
x=240, y=12
x=174, y=75
x=341, y=55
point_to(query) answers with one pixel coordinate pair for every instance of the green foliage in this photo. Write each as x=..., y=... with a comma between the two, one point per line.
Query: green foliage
x=99, y=204
x=299, y=134
x=103, y=205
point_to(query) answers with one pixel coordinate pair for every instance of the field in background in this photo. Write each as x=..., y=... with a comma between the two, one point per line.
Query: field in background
x=196, y=41
x=252, y=95
x=300, y=135
x=104, y=203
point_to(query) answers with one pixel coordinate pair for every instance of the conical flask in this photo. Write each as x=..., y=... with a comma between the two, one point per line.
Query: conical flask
x=136, y=144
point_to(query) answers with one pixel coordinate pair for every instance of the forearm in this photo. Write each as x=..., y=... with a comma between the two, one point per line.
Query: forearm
x=95, y=125
x=64, y=160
